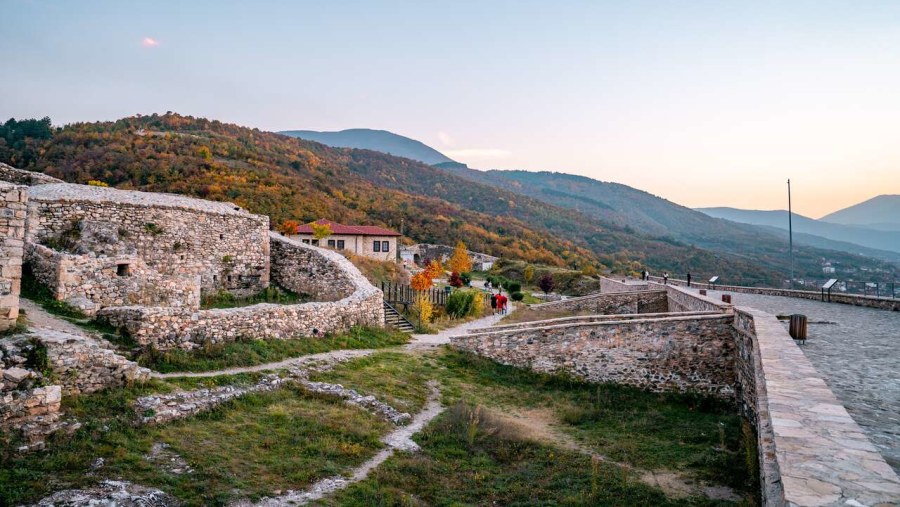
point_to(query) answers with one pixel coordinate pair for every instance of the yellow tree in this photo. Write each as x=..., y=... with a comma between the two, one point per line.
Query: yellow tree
x=460, y=262
x=321, y=231
x=434, y=270
x=528, y=274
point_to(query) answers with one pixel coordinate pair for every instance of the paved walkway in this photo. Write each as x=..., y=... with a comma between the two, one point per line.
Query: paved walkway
x=856, y=351
x=443, y=337
x=39, y=318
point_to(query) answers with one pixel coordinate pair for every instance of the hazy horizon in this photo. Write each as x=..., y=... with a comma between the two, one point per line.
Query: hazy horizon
x=706, y=104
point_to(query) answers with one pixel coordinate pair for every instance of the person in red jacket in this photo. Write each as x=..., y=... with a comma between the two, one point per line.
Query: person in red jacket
x=501, y=303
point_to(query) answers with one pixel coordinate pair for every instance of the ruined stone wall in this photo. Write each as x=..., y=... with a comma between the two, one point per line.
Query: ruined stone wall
x=676, y=354
x=608, y=285
x=84, y=365
x=22, y=177
x=682, y=300
x=174, y=235
x=109, y=281
x=616, y=303
x=811, y=451
x=361, y=304
x=13, y=199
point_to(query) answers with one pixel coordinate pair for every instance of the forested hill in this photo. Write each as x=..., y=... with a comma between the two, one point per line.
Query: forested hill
x=288, y=178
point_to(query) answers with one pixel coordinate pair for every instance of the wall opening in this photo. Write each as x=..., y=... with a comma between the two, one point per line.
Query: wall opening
x=123, y=269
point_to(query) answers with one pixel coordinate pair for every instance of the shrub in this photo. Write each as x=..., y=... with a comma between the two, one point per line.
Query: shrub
x=466, y=278
x=513, y=287
x=546, y=283
x=455, y=280
x=517, y=296
x=462, y=303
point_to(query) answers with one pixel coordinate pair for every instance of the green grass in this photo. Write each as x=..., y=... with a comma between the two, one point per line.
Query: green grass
x=252, y=446
x=470, y=458
x=695, y=435
x=254, y=352
x=225, y=299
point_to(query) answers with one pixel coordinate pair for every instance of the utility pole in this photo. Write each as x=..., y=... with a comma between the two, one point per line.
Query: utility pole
x=790, y=233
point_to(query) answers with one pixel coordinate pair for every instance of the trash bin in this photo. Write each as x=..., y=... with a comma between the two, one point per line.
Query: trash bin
x=797, y=327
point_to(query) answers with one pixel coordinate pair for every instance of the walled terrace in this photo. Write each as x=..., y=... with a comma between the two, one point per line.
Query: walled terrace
x=667, y=338
x=139, y=261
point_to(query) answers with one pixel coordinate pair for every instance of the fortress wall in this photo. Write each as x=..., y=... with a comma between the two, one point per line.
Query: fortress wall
x=585, y=319
x=13, y=201
x=23, y=177
x=616, y=303
x=99, y=280
x=881, y=303
x=811, y=451
x=175, y=235
x=333, y=276
x=681, y=300
x=608, y=286
x=674, y=354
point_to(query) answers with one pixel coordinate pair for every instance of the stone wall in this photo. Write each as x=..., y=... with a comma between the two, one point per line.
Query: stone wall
x=586, y=319
x=683, y=300
x=677, y=354
x=22, y=177
x=84, y=365
x=13, y=199
x=608, y=285
x=109, y=281
x=174, y=235
x=361, y=304
x=811, y=451
x=881, y=303
x=616, y=303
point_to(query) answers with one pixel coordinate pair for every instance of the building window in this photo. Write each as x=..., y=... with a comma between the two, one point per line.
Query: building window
x=306, y=241
x=385, y=246
x=340, y=244
x=331, y=243
x=315, y=242
x=376, y=246
x=122, y=270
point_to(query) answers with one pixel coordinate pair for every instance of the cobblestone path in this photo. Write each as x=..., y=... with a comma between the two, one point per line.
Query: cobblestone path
x=858, y=355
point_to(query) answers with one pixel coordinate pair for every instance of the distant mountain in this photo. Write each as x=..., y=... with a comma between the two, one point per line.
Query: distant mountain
x=881, y=213
x=377, y=140
x=863, y=237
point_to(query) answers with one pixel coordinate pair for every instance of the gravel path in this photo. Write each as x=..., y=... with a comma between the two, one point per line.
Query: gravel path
x=857, y=352
x=39, y=318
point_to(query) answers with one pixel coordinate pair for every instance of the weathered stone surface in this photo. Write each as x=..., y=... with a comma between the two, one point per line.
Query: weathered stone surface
x=110, y=493
x=616, y=303
x=682, y=300
x=610, y=286
x=13, y=202
x=679, y=354
x=22, y=177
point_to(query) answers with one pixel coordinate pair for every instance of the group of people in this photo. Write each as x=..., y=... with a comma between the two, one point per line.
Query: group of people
x=499, y=303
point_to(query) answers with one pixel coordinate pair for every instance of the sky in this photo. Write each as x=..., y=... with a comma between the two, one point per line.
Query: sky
x=703, y=103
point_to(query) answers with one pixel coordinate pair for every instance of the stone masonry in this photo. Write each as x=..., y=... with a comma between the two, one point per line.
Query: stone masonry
x=616, y=303
x=10, y=174
x=360, y=304
x=608, y=285
x=227, y=247
x=13, y=199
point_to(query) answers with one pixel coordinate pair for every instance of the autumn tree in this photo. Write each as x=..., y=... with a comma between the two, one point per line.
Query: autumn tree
x=288, y=227
x=528, y=274
x=455, y=280
x=321, y=231
x=421, y=280
x=546, y=283
x=434, y=270
x=460, y=262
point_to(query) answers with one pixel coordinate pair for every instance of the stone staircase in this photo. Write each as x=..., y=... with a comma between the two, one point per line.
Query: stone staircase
x=396, y=320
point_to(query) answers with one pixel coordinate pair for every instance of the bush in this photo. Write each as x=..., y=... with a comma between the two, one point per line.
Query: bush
x=466, y=278
x=517, y=296
x=455, y=280
x=514, y=287
x=462, y=303
x=546, y=283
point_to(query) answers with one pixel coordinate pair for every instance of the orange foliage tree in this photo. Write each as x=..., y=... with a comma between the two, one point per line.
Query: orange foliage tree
x=421, y=280
x=460, y=262
x=288, y=227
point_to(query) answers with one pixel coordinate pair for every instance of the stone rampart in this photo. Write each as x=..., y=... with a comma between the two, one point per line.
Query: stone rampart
x=675, y=354
x=118, y=280
x=175, y=235
x=682, y=300
x=23, y=177
x=13, y=201
x=586, y=319
x=362, y=304
x=608, y=285
x=616, y=303
x=811, y=451
x=881, y=303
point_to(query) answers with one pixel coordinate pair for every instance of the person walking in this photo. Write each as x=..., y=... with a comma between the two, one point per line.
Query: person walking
x=689, y=279
x=493, y=304
x=501, y=303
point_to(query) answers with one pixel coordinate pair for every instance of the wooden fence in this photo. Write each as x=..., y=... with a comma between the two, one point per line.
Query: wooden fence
x=405, y=295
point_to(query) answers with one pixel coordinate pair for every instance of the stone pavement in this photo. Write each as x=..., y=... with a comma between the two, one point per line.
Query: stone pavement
x=857, y=354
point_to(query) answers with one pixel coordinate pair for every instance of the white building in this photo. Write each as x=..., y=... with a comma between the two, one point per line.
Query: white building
x=366, y=240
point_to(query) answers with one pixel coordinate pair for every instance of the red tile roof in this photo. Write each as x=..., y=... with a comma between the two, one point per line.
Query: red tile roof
x=350, y=230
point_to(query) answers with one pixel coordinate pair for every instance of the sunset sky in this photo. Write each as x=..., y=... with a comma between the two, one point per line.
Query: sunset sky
x=703, y=103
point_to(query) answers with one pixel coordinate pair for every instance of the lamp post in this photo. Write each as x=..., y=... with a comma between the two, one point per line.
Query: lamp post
x=790, y=233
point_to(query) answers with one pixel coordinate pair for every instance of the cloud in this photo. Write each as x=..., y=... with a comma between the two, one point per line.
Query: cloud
x=446, y=138
x=479, y=153
x=149, y=42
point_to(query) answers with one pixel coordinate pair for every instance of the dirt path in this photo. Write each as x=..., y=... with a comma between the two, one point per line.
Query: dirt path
x=38, y=318
x=399, y=439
